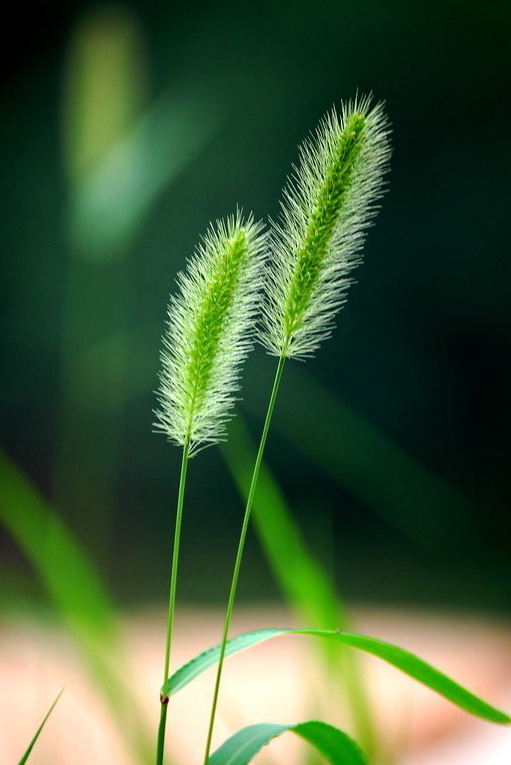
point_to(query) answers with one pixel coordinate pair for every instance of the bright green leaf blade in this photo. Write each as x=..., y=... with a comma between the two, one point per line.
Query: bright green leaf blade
x=200, y=663
x=301, y=577
x=424, y=673
x=408, y=663
x=38, y=731
x=337, y=747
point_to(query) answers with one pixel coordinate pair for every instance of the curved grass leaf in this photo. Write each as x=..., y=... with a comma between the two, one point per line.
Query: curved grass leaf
x=300, y=575
x=38, y=731
x=363, y=460
x=302, y=578
x=373, y=467
x=407, y=662
x=75, y=589
x=60, y=561
x=337, y=747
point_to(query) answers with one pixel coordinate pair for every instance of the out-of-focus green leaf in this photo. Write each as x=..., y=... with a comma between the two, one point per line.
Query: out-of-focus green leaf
x=105, y=84
x=407, y=662
x=303, y=580
x=38, y=731
x=300, y=576
x=364, y=461
x=112, y=200
x=74, y=587
x=119, y=154
x=337, y=747
x=57, y=557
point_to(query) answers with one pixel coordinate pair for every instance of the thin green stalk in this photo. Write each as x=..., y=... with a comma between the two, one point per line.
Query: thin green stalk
x=38, y=731
x=172, y=602
x=241, y=545
x=161, y=732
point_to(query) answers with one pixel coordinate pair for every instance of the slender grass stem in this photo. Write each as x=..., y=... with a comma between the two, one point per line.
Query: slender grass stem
x=172, y=602
x=161, y=734
x=241, y=545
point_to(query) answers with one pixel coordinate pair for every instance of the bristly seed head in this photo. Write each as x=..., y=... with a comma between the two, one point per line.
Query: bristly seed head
x=328, y=204
x=209, y=333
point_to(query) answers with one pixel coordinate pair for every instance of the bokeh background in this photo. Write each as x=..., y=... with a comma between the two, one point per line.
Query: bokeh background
x=126, y=128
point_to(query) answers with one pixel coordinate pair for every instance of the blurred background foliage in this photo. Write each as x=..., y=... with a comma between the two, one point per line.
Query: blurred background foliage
x=125, y=129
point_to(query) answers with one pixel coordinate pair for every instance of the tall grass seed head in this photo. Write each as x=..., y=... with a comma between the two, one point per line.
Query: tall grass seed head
x=328, y=204
x=209, y=332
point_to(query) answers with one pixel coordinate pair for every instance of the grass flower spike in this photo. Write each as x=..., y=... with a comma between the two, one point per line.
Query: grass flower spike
x=208, y=334
x=328, y=204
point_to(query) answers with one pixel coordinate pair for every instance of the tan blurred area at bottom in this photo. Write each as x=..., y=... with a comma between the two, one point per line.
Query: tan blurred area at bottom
x=279, y=681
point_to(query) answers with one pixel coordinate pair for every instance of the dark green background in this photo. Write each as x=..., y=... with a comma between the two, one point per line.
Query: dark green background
x=421, y=350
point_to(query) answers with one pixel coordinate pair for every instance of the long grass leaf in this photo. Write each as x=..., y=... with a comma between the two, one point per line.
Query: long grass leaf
x=407, y=662
x=59, y=560
x=337, y=747
x=74, y=587
x=366, y=462
x=38, y=731
x=302, y=578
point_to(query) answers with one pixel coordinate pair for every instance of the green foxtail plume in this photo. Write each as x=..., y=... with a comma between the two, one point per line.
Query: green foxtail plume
x=328, y=204
x=209, y=333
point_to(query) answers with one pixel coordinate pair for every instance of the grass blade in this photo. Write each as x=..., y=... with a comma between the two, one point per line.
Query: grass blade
x=302, y=578
x=61, y=563
x=362, y=459
x=337, y=747
x=38, y=731
x=76, y=590
x=407, y=662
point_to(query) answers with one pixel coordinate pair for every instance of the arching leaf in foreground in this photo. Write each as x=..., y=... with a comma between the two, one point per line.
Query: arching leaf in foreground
x=407, y=662
x=337, y=747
